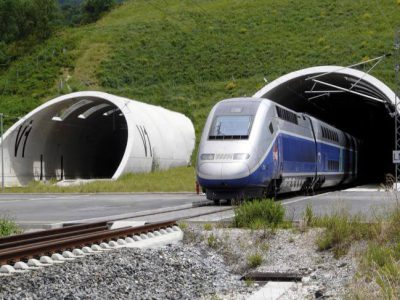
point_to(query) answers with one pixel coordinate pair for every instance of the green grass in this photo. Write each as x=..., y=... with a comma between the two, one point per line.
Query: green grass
x=8, y=227
x=173, y=180
x=258, y=214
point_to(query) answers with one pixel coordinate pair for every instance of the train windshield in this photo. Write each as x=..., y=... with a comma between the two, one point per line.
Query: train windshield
x=231, y=127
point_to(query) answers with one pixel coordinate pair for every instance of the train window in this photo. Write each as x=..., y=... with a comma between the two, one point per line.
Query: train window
x=231, y=127
x=271, y=128
x=286, y=115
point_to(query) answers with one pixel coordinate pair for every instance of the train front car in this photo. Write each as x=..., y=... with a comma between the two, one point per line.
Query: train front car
x=232, y=160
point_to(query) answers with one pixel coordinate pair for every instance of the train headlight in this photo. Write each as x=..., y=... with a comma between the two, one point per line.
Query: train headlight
x=207, y=156
x=241, y=156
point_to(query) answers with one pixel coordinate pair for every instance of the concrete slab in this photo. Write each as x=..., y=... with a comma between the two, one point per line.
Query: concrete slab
x=364, y=203
x=271, y=291
x=124, y=224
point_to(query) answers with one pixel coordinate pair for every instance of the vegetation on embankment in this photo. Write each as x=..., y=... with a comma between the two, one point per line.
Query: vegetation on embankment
x=187, y=55
x=180, y=179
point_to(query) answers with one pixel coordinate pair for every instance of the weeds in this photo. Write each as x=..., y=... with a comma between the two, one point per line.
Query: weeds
x=381, y=261
x=8, y=227
x=254, y=260
x=207, y=227
x=249, y=282
x=341, y=230
x=264, y=247
x=183, y=225
x=212, y=241
x=259, y=214
x=308, y=215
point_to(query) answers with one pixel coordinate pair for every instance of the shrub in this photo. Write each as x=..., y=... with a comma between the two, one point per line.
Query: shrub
x=254, y=260
x=258, y=214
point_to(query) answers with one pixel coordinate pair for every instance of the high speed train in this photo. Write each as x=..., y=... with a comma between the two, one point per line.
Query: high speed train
x=252, y=148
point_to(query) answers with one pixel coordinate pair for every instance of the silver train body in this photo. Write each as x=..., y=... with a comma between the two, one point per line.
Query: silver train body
x=254, y=147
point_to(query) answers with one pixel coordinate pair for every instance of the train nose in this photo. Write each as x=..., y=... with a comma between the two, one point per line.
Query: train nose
x=223, y=171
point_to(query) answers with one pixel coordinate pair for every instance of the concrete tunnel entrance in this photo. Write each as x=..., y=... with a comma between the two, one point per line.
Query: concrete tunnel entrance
x=358, y=112
x=94, y=135
x=91, y=140
x=77, y=138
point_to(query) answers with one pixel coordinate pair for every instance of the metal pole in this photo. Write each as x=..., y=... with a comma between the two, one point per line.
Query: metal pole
x=396, y=101
x=2, y=152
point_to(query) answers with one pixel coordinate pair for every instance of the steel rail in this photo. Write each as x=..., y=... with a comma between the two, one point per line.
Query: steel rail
x=48, y=237
x=35, y=234
x=29, y=251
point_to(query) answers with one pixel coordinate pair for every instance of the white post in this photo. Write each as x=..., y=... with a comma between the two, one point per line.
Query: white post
x=2, y=152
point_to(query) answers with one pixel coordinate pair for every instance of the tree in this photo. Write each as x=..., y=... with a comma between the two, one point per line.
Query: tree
x=46, y=12
x=92, y=10
x=21, y=18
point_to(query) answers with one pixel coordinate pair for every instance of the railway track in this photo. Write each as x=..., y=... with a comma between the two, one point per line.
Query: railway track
x=27, y=246
x=33, y=245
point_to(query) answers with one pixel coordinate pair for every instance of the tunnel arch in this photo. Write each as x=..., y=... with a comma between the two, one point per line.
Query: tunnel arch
x=349, y=99
x=92, y=135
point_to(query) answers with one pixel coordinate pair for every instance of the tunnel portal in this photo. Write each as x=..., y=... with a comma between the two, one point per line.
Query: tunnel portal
x=94, y=135
x=78, y=138
x=350, y=100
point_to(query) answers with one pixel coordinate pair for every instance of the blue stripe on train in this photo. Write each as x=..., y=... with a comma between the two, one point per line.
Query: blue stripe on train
x=298, y=157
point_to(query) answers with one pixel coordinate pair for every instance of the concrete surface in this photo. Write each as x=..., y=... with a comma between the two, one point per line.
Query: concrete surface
x=48, y=210
x=39, y=210
x=358, y=201
x=271, y=291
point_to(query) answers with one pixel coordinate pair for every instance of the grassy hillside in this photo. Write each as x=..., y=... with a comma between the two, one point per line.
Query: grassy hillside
x=186, y=55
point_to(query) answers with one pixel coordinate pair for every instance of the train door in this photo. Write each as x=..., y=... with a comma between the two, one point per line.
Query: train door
x=354, y=156
x=315, y=133
x=346, y=154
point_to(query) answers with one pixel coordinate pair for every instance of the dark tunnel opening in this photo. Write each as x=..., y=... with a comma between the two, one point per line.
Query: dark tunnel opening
x=366, y=119
x=89, y=142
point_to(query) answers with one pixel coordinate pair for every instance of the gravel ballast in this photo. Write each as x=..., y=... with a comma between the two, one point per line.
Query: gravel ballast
x=174, y=272
x=284, y=251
